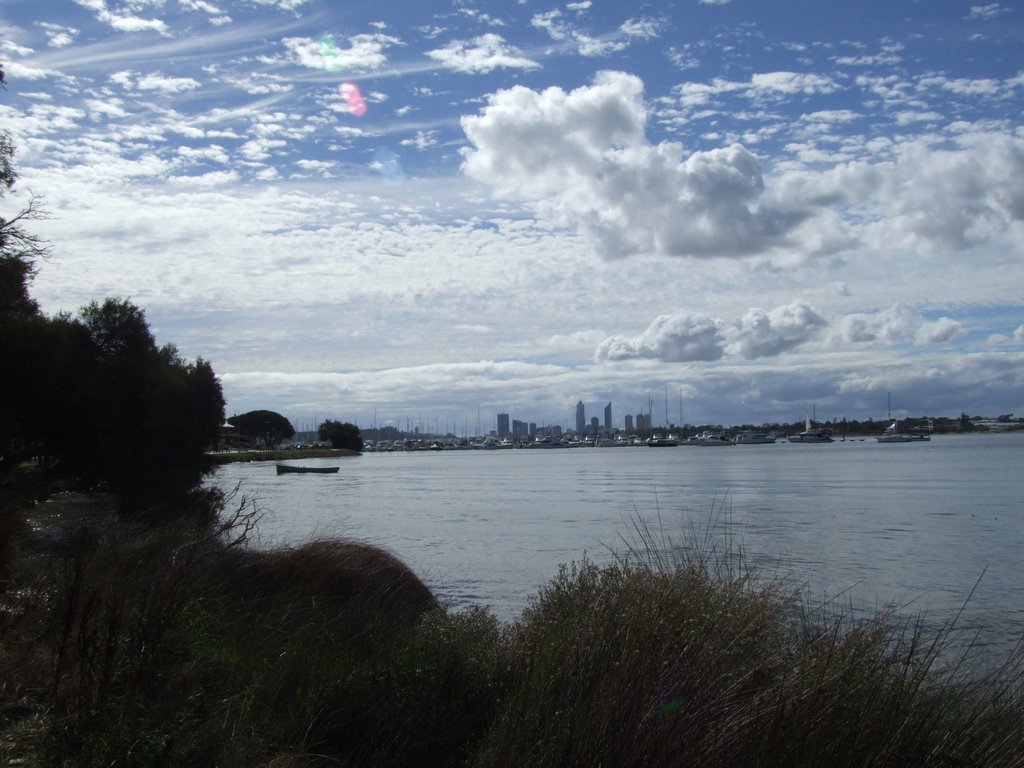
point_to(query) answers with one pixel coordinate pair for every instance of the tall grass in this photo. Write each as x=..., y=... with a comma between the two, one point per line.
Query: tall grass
x=181, y=646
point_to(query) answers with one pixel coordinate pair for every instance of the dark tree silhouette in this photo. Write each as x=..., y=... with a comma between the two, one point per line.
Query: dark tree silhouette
x=341, y=435
x=265, y=427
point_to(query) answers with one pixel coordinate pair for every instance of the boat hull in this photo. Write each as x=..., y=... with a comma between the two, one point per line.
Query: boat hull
x=285, y=469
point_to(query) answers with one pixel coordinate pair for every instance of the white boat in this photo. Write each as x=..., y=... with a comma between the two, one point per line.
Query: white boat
x=748, y=437
x=712, y=439
x=546, y=442
x=893, y=435
x=810, y=435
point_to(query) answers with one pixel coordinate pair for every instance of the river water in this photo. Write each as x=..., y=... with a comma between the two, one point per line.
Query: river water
x=919, y=525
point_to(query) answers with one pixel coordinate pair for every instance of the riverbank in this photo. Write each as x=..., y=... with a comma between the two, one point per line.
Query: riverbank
x=178, y=646
x=235, y=457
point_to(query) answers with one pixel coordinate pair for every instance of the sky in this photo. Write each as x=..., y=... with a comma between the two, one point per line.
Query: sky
x=424, y=213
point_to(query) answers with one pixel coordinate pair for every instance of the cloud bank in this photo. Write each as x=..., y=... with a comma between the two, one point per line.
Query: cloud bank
x=694, y=336
x=581, y=159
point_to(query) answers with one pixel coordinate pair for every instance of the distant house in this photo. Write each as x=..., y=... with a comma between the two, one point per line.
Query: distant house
x=228, y=438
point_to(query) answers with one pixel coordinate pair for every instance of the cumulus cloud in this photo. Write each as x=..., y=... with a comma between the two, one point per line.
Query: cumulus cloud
x=939, y=332
x=767, y=334
x=60, y=36
x=694, y=336
x=481, y=55
x=677, y=337
x=581, y=157
x=897, y=324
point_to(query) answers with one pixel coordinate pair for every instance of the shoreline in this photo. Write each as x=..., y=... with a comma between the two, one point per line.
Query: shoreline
x=219, y=458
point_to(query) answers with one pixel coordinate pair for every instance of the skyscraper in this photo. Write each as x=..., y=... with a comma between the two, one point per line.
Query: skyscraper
x=503, y=425
x=581, y=418
x=608, y=418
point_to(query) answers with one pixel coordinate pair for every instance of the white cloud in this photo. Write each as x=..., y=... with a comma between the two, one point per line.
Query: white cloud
x=791, y=83
x=1018, y=334
x=939, y=332
x=581, y=159
x=133, y=81
x=481, y=55
x=213, y=154
x=895, y=325
x=158, y=82
x=200, y=5
x=694, y=336
x=678, y=337
x=767, y=334
x=987, y=12
x=364, y=52
x=16, y=71
x=60, y=36
x=424, y=140
x=120, y=22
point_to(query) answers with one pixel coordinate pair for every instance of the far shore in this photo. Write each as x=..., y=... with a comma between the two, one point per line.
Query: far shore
x=282, y=454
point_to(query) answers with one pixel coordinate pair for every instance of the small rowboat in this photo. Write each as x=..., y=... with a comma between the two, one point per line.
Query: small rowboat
x=285, y=469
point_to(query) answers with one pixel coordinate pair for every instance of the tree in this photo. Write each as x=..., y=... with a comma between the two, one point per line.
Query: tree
x=267, y=427
x=147, y=416
x=93, y=397
x=341, y=435
x=19, y=248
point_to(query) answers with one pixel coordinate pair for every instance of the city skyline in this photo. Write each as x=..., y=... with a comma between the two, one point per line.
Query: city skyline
x=418, y=207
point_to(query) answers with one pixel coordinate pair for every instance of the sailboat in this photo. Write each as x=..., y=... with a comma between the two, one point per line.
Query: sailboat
x=893, y=435
x=810, y=435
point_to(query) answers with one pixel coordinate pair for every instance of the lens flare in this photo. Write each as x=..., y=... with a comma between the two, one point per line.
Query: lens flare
x=353, y=98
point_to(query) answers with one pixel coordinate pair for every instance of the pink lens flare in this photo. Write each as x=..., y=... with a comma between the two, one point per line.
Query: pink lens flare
x=353, y=98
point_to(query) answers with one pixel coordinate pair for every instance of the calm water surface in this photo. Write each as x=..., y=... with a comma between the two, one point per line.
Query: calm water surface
x=920, y=525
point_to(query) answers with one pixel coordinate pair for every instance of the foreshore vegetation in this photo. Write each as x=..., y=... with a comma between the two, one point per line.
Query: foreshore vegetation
x=180, y=644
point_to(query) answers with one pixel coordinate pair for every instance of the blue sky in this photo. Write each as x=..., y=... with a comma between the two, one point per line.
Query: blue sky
x=419, y=209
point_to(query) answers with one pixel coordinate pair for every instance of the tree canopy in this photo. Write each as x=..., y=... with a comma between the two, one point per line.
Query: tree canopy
x=341, y=435
x=93, y=397
x=266, y=427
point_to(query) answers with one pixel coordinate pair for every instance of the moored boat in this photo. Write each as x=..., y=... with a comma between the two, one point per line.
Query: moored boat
x=748, y=437
x=660, y=441
x=811, y=435
x=893, y=435
x=712, y=439
x=287, y=469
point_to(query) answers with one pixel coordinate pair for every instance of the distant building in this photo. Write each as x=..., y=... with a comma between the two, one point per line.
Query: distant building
x=503, y=430
x=520, y=429
x=581, y=418
x=608, y=418
x=629, y=422
x=595, y=425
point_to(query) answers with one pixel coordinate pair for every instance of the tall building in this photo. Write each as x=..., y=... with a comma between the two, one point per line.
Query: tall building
x=581, y=418
x=503, y=430
x=629, y=422
x=608, y=418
